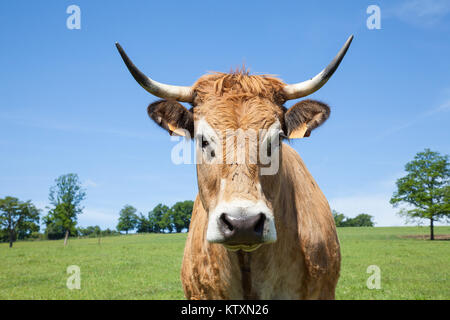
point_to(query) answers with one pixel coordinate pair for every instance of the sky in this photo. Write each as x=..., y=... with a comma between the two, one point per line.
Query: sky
x=68, y=104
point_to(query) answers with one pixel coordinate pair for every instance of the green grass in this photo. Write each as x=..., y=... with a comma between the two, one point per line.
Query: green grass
x=148, y=266
x=410, y=268
x=124, y=267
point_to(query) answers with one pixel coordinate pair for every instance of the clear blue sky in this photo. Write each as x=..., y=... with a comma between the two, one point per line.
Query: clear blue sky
x=68, y=104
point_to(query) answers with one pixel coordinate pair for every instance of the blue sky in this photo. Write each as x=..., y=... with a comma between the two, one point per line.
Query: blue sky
x=68, y=104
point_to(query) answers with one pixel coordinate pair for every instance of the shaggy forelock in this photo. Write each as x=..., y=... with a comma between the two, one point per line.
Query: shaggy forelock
x=238, y=85
x=239, y=100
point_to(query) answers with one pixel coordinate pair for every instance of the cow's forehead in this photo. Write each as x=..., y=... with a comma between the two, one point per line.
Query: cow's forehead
x=250, y=113
x=238, y=100
x=237, y=85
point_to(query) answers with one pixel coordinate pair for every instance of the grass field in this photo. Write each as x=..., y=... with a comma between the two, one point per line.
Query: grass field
x=148, y=266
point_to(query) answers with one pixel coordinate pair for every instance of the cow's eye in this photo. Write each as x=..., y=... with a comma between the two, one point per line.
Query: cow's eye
x=271, y=140
x=269, y=148
x=205, y=144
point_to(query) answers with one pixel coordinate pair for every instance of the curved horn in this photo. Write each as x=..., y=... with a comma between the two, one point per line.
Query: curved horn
x=158, y=89
x=302, y=89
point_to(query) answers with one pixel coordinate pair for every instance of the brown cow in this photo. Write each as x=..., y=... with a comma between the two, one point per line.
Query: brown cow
x=254, y=233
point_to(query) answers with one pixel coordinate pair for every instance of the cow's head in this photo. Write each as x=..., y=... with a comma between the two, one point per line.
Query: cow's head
x=238, y=121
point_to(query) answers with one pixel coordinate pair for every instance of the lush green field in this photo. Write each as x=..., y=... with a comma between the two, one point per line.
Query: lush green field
x=148, y=266
x=410, y=268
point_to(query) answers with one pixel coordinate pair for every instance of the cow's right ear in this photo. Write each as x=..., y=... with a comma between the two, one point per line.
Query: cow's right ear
x=172, y=116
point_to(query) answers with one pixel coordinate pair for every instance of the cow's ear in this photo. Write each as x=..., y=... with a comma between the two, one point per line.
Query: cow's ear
x=304, y=117
x=172, y=116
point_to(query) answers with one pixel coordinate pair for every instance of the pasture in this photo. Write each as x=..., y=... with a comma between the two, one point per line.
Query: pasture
x=147, y=266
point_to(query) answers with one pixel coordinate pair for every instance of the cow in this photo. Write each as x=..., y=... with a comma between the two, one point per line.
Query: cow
x=251, y=235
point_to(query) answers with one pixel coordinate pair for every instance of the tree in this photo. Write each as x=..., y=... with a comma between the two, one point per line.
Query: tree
x=338, y=218
x=65, y=197
x=143, y=224
x=128, y=219
x=109, y=232
x=425, y=188
x=90, y=231
x=17, y=217
x=161, y=217
x=153, y=222
x=361, y=220
x=181, y=214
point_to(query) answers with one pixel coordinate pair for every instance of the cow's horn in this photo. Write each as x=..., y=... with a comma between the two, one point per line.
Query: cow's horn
x=302, y=89
x=158, y=89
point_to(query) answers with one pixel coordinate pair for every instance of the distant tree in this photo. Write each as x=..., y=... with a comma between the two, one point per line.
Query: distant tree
x=161, y=216
x=18, y=218
x=361, y=220
x=143, y=224
x=81, y=231
x=128, y=219
x=181, y=214
x=166, y=221
x=90, y=231
x=109, y=232
x=338, y=218
x=65, y=197
x=153, y=222
x=86, y=231
x=425, y=188
x=54, y=229
x=97, y=231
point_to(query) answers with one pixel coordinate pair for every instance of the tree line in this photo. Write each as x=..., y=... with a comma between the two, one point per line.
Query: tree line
x=161, y=219
x=21, y=219
x=361, y=220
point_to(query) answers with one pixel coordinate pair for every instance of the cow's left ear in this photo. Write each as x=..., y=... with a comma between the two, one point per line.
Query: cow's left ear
x=172, y=116
x=304, y=117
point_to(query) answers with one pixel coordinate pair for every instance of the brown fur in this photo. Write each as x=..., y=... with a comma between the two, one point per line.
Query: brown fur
x=238, y=85
x=304, y=262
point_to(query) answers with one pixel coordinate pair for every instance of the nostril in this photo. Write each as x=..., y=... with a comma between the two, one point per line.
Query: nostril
x=242, y=230
x=259, y=226
x=226, y=222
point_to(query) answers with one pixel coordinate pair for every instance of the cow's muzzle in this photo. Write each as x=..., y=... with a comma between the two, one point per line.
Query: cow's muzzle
x=248, y=230
x=243, y=225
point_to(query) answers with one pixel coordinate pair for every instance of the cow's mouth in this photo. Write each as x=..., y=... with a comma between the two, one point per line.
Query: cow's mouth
x=243, y=247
